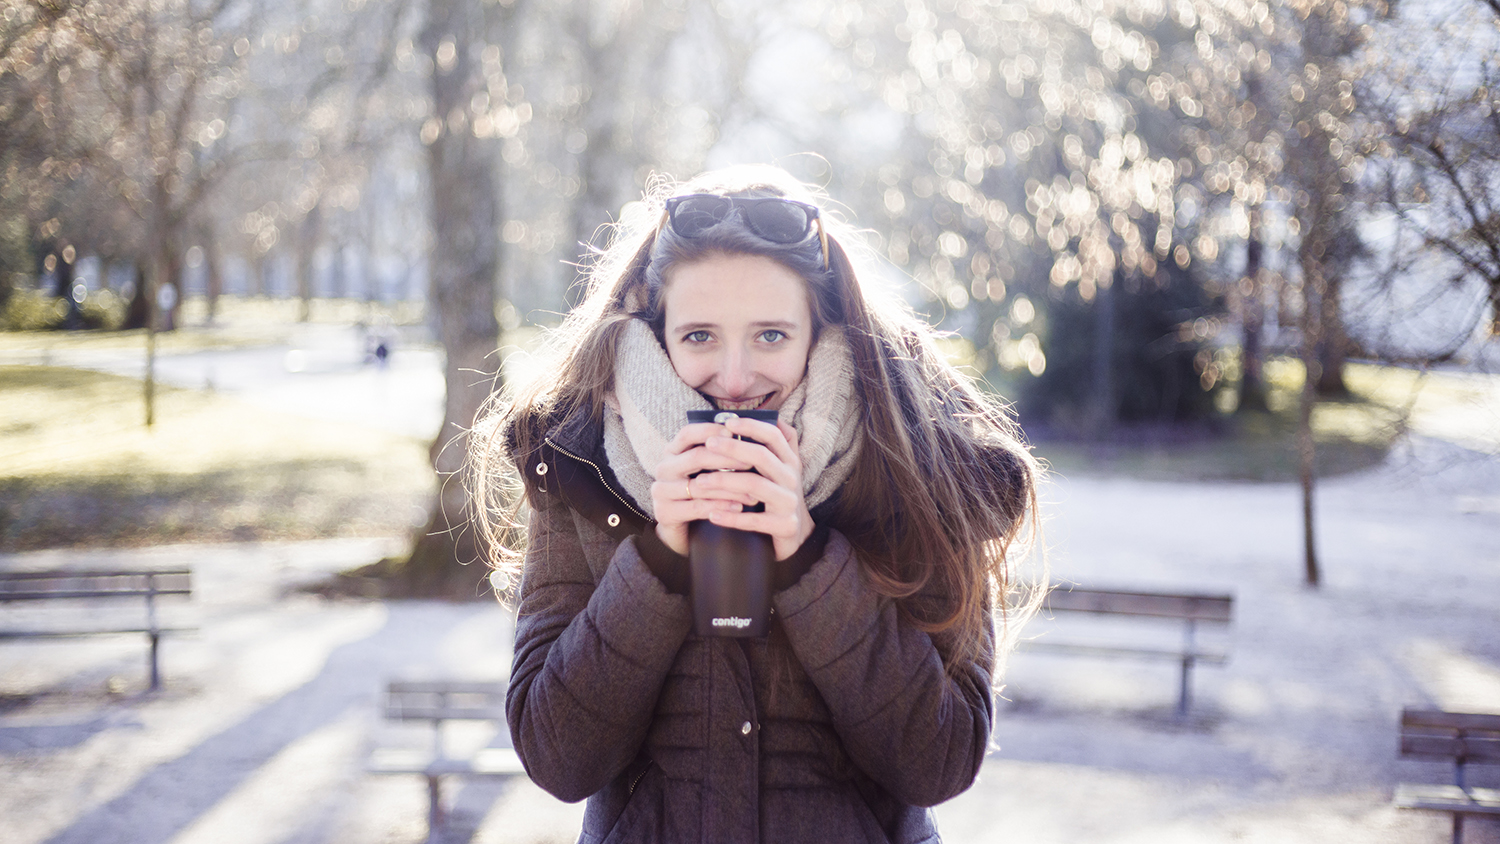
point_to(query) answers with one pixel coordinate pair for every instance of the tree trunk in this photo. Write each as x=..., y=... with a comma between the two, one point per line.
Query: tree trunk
x=307, y=243
x=464, y=266
x=62, y=276
x=1325, y=248
x=1495, y=308
x=619, y=62
x=137, y=311
x=150, y=283
x=214, y=285
x=1333, y=348
x=591, y=208
x=255, y=279
x=1306, y=450
x=606, y=144
x=168, y=285
x=1104, y=405
x=65, y=280
x=1313, y=254
x=338, y=272
x=1252, y=321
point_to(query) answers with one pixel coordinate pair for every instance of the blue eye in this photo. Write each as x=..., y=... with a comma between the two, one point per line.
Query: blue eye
x=773, y=336
x=697, y=337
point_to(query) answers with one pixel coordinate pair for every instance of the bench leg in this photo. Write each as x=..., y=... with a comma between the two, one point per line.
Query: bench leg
x=155, y=673
x=1189, y=647
x=434, y=806
x=1458, y=828
x=1185, y=689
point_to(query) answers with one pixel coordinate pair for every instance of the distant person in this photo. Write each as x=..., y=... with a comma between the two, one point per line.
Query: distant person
x=892, y=492
x=377, y=343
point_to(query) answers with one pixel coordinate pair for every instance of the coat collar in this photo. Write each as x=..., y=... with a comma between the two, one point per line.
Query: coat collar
x=571, y=464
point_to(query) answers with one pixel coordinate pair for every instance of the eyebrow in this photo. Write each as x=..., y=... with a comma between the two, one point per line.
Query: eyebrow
x=780, y=325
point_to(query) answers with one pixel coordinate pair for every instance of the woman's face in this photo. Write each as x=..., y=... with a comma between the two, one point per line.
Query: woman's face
x=738, y=329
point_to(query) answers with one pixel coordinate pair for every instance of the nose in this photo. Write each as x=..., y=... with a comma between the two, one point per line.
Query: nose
x=738, y=373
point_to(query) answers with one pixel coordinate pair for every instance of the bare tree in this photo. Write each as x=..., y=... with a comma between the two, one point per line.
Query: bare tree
x=143, y=89
x=1436, y=104
x=621, y=50
x=1321, y=154
x=465, y=188
x=1046, y=164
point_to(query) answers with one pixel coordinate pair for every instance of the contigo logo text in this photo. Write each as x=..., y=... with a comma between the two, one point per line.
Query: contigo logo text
x=732, y=621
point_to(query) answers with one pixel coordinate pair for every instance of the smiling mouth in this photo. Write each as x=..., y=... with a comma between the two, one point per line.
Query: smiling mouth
x=748, y=404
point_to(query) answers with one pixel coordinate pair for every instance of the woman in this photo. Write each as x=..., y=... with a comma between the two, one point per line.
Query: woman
x=892, y=490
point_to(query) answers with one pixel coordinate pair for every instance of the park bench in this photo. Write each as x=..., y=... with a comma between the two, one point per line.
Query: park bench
x=83, y=588
x=440, y=702
x=1465, y=739
x=1191, y=609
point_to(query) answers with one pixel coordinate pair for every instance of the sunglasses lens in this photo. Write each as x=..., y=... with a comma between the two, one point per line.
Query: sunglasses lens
x=777, y=220
x=696, y=214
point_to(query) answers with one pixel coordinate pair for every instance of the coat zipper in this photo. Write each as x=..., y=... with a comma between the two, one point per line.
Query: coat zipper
x=600, y=473
x=602, y=482
x=638, y=777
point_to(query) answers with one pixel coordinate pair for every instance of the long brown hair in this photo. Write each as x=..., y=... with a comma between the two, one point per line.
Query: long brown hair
x=942, y=502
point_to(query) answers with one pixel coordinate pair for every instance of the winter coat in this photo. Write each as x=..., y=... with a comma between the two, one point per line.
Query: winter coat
x=840, y=726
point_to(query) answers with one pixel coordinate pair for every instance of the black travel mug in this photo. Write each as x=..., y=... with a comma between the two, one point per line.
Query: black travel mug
x=731, y=568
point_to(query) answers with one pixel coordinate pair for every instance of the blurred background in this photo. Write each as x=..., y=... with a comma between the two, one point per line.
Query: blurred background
x=262, y=261
x=1142, y=222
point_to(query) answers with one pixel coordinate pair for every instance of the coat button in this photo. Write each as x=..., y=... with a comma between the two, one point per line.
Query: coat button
x=614, y=520
x=541, y=468
x=745, y=728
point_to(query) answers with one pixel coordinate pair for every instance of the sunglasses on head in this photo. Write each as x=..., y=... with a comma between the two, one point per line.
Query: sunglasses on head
x=772, y=218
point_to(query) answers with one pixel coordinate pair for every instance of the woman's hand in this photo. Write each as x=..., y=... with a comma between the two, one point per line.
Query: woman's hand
x=719, y=496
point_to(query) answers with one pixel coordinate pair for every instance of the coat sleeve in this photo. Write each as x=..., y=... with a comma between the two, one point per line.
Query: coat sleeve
x=918, y=730
x=590, y=659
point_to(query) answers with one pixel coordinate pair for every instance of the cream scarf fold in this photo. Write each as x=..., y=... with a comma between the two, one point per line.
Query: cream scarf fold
x=649, y=404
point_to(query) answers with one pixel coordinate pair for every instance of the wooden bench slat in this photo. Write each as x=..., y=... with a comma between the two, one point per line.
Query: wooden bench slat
x=86, y=584
x=487, y=762
x=455, y=707
x=442, y=700
x=67, y=634
x=449, y=713
x=95, y=575
x=1437, y=719
x=495, y=761
x=1448, y=798
x=88, y=594
x=1470, y=748
x=478, y=687
x=1215, y=657
x=398, y=760
x=43, y=574
x=1195, y=606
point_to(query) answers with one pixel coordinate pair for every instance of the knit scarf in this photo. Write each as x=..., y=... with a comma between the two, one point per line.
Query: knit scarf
x=649, y=404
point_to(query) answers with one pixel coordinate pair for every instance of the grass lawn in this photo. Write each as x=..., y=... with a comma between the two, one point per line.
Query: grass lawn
x=240, y=321
x=78, y=467
x=1349, y=435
